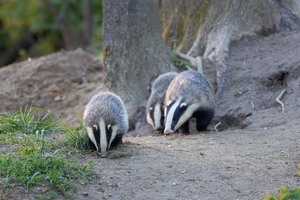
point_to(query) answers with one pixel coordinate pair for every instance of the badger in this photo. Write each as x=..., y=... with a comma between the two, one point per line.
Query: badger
x=154, y=108
x=189, y=95
x=106, y=120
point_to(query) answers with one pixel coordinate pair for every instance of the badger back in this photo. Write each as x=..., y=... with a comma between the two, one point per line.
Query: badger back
x=161, y=83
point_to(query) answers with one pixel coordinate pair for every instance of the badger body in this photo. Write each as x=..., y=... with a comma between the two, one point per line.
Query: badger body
x=106, y=121
x=155, y=103
x=189, y=95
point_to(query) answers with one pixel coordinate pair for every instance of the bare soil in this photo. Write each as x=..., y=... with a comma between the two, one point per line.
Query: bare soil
x=254, y=152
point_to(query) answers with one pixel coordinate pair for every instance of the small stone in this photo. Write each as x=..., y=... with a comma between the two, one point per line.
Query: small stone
x=85, y=194
x=57, y=98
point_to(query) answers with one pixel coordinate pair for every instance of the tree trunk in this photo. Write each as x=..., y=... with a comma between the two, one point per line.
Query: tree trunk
x=206, y=27
x=133, y=49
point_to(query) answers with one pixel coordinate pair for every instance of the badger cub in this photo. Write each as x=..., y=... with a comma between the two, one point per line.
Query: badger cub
x=106, y=120
x=155, y=112
x=189, y=95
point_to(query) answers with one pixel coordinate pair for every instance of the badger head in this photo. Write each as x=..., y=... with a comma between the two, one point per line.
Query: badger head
x=178, y=112
x=155, y=116
x=102, y=135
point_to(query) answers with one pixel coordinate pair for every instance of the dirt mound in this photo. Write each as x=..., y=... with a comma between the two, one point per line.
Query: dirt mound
x=260, y=69
x=61, y=83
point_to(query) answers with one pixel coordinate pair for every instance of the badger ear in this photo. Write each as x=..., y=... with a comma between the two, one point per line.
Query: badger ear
x=95, y=126
x=108, y=126
x=183, y=106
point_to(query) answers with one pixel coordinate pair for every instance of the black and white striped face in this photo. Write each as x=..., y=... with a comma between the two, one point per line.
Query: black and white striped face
x=155, y=116
x=177, y=113
x=102, y=135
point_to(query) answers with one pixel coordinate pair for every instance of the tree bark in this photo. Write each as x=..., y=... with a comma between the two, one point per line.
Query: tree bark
x=133, y=49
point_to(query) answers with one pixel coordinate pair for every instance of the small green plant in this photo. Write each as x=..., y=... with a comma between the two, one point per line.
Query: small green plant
x=285, y=194
x=28, y=120
x=180, y=63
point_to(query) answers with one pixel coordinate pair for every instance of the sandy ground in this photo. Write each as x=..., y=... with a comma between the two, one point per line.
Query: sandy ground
x=255, y=152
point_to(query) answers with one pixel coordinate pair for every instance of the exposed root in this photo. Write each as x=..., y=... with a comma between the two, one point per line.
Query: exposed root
x=279, y=97
x=195, y=62
x=216, y=126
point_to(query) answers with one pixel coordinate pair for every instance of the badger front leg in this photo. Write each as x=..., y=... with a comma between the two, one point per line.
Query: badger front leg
x=184, y=129
x=203, y=118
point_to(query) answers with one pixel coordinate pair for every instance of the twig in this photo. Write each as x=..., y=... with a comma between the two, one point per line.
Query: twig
x=216, y=126
x=279, y=97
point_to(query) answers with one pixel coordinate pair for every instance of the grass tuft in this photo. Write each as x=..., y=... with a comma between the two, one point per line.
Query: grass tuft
x=117, y=154
x=28, y=120
x=76, y=137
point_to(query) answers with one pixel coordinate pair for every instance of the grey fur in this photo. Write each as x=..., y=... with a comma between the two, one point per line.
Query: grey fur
x=192, y=87
x=107, y=106
x=158, y=91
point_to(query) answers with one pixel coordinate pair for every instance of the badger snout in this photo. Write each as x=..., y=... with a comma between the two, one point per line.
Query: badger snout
x=158, y=128
x=103, y=155
x=168, y=131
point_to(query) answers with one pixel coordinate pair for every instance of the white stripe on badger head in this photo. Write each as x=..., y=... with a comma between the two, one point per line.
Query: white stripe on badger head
x=103, y=138
x=149, y=119
x=91, y=135
x=169, y=117
x=113, y=134
x=157, y=117
x=187, y=115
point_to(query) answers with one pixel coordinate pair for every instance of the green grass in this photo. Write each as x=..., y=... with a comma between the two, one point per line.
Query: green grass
x=30, y=158
x=121, y=153
x=76, y=137
x=180, y=63
x=28, y=120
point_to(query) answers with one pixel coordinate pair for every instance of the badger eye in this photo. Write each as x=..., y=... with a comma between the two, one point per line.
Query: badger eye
x=151, y=108
x=108, y=126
